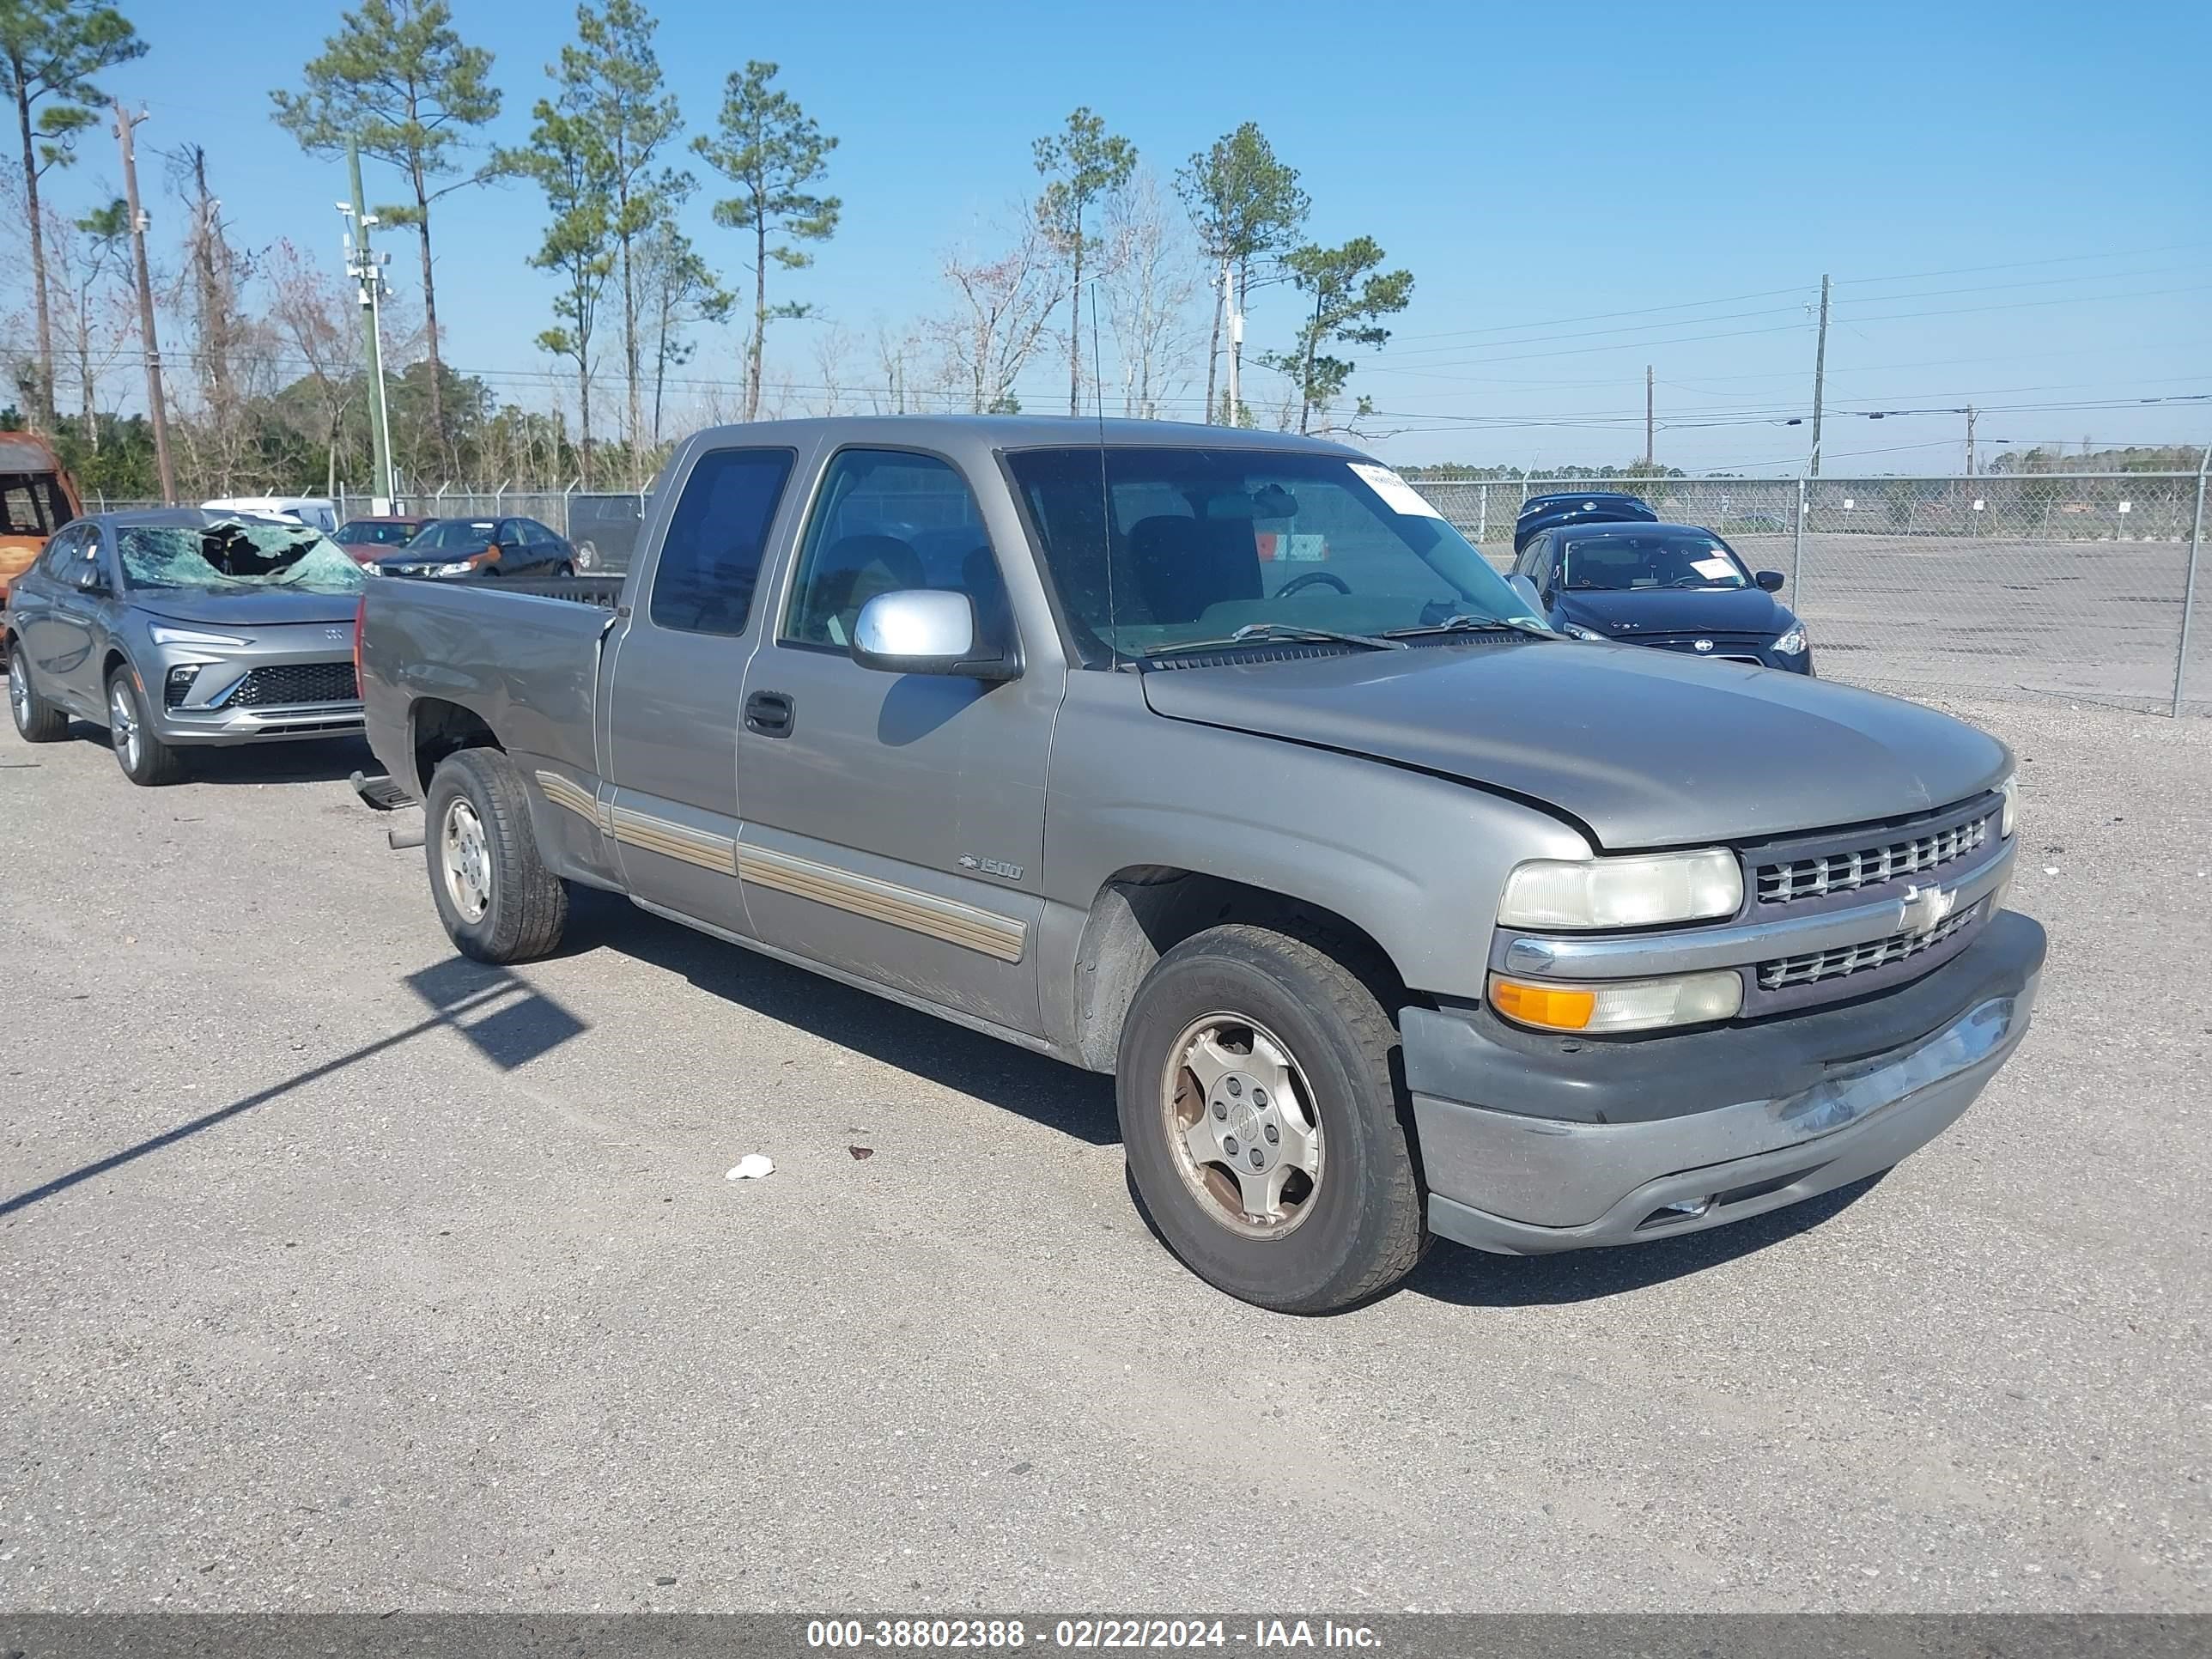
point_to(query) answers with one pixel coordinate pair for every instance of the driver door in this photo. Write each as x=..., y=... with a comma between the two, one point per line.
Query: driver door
x=894, y=824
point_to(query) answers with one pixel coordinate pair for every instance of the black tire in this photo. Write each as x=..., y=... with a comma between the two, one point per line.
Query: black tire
x=144, y=759
x=525, y=905
x=562, y=571
x=1362, y=1230
x=37, y=721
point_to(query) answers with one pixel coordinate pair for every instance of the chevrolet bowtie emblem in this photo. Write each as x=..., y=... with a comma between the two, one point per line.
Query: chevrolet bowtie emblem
x=1925, y=909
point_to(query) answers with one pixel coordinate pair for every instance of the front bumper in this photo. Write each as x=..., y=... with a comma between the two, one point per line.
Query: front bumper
x=1531, y=1144
x=209, y=714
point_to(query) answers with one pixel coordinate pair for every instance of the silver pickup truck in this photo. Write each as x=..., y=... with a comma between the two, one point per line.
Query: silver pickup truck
x=1217, y=761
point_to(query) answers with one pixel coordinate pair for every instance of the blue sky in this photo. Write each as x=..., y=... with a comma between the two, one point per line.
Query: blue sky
x=2014, y=201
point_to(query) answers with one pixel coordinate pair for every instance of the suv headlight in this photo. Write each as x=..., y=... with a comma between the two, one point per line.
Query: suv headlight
x=161, y=636
x=1790, y=642
x=2010, y=790
x=1576, y=631
x=1623, y=892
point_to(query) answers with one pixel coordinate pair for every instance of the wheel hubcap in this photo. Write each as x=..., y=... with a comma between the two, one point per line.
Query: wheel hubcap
x=1240, y=1115
x=466, y=861
x=123, y=726
x=19, y=692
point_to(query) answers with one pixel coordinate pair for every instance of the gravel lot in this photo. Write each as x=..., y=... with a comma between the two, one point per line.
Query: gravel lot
x=335, y=1272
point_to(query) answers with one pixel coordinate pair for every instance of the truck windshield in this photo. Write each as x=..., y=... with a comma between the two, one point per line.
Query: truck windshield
x=235, y=553
x=1155, y=548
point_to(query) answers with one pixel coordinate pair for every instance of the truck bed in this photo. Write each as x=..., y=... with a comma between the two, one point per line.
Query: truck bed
x=522, y=657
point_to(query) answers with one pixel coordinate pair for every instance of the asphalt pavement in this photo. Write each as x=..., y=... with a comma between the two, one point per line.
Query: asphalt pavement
x=336, y=1273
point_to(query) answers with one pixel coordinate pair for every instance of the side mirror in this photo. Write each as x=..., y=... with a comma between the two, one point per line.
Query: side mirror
x=1527, y=590
x=1770, y=579
x=926, y=630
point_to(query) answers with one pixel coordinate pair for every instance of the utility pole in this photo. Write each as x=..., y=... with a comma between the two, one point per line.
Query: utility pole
x=368, y=278
x=156, y=411
x=1970, y=413
x=1820, y=378
x=1235, y=345
x=1647, y=417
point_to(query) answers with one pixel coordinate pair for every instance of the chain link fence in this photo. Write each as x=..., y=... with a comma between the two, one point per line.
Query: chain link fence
x=2049, y=584
x=2039, y=585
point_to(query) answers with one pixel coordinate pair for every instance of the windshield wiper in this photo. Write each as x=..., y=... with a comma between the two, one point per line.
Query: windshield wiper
x=1464, y=623
x=1253, y=633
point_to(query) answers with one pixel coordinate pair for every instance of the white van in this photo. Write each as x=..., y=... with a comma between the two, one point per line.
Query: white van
x=319, y=511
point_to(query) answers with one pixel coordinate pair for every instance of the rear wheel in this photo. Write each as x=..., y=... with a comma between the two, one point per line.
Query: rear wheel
x=37, y=721
x=496, y=898
x=1262, y=1123
x=144, y=759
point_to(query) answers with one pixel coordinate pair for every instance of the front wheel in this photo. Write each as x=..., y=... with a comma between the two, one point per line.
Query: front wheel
x=1262, y=1124
x=144, y=759
x=496, y=898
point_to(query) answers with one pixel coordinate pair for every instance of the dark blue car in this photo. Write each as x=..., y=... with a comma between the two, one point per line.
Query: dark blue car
x=1671, y=586
x=1542, y=512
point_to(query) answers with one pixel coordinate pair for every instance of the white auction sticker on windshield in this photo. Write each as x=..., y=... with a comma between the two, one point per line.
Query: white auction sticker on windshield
x=1713, y=569
x=1397, y=494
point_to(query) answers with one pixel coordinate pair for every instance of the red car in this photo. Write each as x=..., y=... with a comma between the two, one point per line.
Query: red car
x=371, y=538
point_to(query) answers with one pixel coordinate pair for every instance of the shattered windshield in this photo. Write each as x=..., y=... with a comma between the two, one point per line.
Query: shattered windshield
x=235, y=553
x=1167, y=549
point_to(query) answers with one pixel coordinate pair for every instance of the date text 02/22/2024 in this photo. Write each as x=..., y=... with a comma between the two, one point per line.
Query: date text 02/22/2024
x=1086, y=1634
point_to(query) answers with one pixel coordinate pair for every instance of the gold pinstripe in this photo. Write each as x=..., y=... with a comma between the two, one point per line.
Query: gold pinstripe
x=964, y=925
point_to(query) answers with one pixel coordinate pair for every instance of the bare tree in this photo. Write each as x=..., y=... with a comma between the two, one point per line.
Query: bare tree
x=897, y=350
x=833, y=363
x=1002, y=307
x=312, y=317
x=87, y=269
x=1152, y=280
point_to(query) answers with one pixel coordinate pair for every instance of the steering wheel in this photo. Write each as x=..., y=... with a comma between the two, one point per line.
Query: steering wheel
x=1298, y=583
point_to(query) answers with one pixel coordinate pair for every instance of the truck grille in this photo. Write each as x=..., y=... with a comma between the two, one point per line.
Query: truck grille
x=290, y=684
x=1869, y=866
x=1816, y=966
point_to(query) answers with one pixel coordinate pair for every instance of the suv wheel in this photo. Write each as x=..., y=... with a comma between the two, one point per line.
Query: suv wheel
x=498, y=901
x=144, y=759
x=37, y=721
x=1264, y=1133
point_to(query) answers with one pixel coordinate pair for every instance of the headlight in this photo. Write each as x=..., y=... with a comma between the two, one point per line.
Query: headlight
x=1791, y=642
x=1623, y=892
x=458, y=567
x=1576, y=631
x=1629, y=1005
x=2010, y=790
x=161, y=636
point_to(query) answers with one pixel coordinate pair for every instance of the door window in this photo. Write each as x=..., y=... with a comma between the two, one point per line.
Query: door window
x=710, y=559
x=886, y=520
x=61, y=552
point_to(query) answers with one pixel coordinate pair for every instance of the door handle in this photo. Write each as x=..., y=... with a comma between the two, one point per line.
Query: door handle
x=769, y=713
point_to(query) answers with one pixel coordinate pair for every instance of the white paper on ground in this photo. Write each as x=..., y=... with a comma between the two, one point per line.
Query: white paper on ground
x=1397, y=494
x=750, y=1167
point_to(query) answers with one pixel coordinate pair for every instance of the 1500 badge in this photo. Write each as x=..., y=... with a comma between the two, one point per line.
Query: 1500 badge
x=991, y=866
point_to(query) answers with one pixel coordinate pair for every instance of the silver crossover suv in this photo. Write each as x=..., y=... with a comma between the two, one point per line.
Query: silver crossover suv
x=184, y=627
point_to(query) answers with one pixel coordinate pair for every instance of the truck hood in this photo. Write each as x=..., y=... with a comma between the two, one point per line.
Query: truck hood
x=244, y=607
x=1642, y=748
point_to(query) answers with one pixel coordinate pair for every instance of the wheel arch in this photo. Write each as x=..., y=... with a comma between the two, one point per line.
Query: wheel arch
x=1141, y=912
x=438, y=727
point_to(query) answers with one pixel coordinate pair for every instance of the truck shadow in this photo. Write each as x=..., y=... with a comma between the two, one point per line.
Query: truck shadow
x=1473, y=1278
x=1080, y=1105
x=1075, y=1103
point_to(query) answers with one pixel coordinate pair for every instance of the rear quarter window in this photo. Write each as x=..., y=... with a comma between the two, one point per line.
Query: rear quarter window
x=710, y=559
